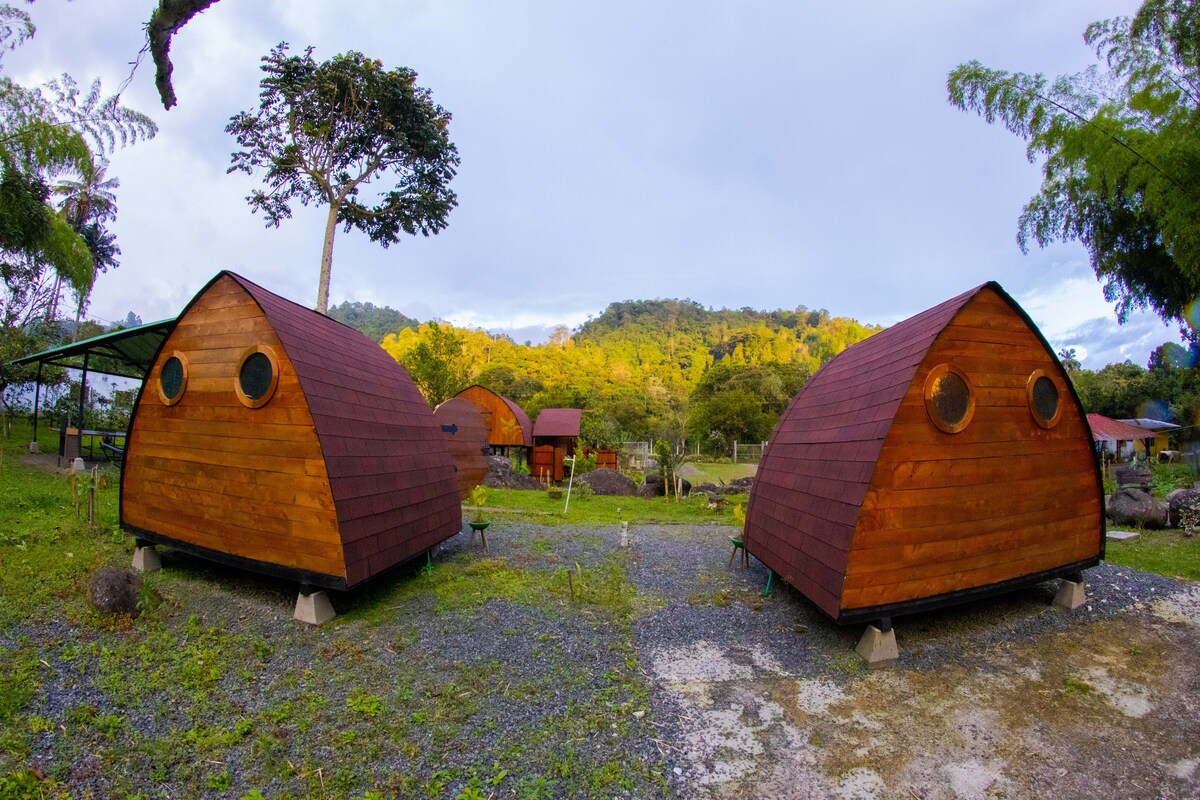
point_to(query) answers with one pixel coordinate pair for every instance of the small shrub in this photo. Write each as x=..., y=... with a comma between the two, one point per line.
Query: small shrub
x=369, y=705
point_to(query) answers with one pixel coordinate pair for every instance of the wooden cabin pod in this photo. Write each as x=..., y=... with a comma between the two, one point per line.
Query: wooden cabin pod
x=507, y=425
x=944, y=458
x=466, y=437
x=276, y=439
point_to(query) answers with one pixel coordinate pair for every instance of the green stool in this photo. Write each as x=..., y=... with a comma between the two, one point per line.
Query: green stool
x=738, y=544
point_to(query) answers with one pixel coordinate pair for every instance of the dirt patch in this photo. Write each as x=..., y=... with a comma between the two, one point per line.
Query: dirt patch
x=1006, y=699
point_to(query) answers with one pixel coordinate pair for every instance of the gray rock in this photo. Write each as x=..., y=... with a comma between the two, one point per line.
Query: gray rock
x=500, y=475
x=115, y=591
x=1135, y=507
x=1181, y=502
x=653, y=487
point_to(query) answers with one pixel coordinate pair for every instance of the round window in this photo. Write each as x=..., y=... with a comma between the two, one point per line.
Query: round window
x=948, y=398
x=172, y=379
x=258, y=374
x=1045, y=401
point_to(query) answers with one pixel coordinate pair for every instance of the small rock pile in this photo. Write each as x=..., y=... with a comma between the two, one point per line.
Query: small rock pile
x=500, y=475
x=609, y=482
x=735, y=486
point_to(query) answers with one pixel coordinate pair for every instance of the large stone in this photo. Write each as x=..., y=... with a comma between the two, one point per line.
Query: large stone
x=115, y=591
x=653, y=487
x=500, y=475
x=1181, y=503
x=609, y=482
x=1135, y=507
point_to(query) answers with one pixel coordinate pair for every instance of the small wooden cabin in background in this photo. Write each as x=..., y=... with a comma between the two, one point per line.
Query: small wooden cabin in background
x=555, y=436
x=942, y=459
x=273, y=438
x=466, y=436
x=508, y=427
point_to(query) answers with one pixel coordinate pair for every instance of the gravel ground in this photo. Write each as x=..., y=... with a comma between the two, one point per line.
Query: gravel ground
x=709, y=690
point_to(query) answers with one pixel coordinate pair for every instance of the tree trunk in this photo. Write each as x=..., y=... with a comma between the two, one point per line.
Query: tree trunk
x=327, y=260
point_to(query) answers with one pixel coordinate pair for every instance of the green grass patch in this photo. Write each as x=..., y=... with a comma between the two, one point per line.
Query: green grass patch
x=1167, y=553
x=535, y=505
x=704, y=472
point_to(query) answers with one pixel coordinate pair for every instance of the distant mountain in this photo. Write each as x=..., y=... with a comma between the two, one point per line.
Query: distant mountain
x=372, y=320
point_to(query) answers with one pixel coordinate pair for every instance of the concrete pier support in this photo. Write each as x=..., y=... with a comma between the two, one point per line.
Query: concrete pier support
x=145, y=558
x=878, y=647
x=313, y=608
x=1071, y=594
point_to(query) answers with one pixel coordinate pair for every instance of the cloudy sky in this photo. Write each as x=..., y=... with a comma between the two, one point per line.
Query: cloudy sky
x=766, y=154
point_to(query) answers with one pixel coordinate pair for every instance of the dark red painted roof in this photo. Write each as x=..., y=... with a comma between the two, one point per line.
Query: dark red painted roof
x=557, y=422
x=388, y=464
x=820, y=460
x=1107, y=428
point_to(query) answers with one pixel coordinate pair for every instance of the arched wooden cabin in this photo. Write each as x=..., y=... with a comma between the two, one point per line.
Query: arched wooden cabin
x=942, y=459
x=466, y=436
x=507, y=425
x=273, y=438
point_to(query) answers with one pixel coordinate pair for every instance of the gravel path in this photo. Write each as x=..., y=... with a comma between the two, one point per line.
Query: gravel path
x=702, y=688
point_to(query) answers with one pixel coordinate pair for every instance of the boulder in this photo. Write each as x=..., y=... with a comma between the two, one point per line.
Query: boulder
x=500, y=475
x=1135, y=507
x=653, y=487
x=609, y=482
x=115, y=591
x=1181, y=502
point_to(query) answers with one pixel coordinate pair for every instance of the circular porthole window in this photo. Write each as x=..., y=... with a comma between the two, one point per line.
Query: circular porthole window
x=948, y=398
x=172, y=379
x=1045, y=400
x=258, y=375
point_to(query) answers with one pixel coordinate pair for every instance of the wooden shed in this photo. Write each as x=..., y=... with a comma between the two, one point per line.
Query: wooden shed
x=466, y=436
x=507, y=425
x=555, y=436
x=270, y=437
x=943, y=459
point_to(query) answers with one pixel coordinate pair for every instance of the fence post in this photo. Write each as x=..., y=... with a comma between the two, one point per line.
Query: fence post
x=735, y=452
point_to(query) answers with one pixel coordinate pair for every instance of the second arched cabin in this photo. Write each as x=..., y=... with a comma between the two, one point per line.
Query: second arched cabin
x=273, y=438
x=466, y=436
x=943, y=459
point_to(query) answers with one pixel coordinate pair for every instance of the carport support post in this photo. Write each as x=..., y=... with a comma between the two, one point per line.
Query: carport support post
x=878, y=645
x=34, y=447
x=82, y=396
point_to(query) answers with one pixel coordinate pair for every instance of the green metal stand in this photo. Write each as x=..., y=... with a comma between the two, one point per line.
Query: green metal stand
x=767, y=590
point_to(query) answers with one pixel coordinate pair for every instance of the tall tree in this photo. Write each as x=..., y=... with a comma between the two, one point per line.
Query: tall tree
x=323, y=132
x=1121, y=150
x=88, y=203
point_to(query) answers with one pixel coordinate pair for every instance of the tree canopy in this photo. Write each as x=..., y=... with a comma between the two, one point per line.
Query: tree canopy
x=1120, y=146
x=642, y=368
x=323, y=132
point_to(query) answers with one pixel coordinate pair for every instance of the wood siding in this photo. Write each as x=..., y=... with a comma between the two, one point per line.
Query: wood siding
x=504, y=428
x=1001, y=499
x=466, y=436
x=210, y=471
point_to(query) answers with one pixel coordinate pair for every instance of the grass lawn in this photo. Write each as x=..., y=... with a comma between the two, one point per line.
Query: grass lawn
x=535, y=505
x=1165, y=552
x=701, y=472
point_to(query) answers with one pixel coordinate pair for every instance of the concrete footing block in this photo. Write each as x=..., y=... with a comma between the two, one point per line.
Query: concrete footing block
x=78, y=466
x=34, y=447
x=314, y=609
x=145, y=559
x=878, y=648
x=1071, y=595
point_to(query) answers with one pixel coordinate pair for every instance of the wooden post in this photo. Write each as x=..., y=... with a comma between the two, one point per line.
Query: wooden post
x=91, y=501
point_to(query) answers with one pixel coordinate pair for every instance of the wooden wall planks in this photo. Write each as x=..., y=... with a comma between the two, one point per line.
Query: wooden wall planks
x=256, y=478
x=1001, y=499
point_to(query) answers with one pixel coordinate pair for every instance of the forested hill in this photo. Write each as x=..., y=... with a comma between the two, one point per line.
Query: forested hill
x=645, y=368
